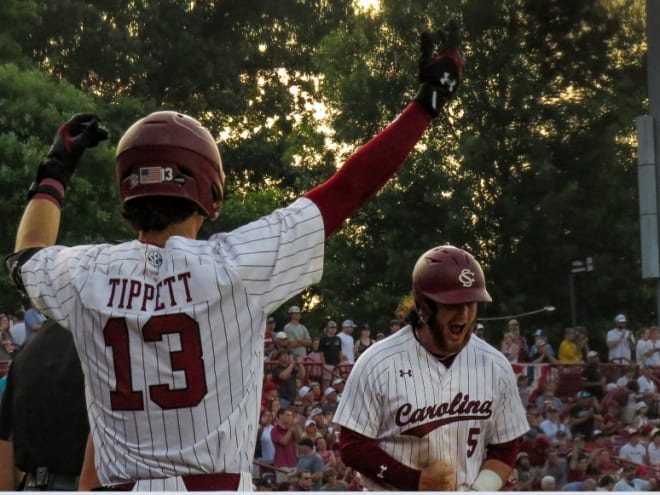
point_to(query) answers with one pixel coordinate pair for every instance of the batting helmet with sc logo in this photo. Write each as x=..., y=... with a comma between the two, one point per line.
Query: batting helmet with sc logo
x=448, y=275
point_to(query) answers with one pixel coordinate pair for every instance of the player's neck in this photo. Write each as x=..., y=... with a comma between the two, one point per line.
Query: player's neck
x=188, y=228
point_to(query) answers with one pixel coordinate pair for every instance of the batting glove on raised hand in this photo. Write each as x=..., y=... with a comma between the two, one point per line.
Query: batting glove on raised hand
x=80, y=132
x=441, y=69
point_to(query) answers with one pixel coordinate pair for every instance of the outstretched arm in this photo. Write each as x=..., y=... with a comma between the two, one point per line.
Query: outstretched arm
x=368, y=169
x=41, y=219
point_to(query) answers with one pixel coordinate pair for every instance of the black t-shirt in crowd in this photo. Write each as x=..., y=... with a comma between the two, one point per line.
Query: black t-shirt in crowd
x=43, y=411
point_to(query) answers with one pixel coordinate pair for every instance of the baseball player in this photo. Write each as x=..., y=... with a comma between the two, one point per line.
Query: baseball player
x=170, y=329
x=434, y=407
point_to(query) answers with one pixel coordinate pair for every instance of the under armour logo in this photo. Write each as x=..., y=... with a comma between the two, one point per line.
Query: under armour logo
x=467, y=277
x=381, y=473
x=404, y=373
x=448, y=81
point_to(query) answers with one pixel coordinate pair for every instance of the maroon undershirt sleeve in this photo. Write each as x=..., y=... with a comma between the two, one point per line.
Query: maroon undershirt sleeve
x=505, y=452
x=369, y=168
x=364, y=455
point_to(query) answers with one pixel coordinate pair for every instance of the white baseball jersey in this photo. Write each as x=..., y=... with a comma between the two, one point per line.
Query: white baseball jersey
x=420, y=412
x=171, y=340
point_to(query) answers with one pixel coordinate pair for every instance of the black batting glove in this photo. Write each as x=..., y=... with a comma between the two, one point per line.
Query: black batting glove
x=80, y=132
x=440, y=67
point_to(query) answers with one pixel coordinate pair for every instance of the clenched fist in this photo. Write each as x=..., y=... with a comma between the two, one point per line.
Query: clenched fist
x=438, y=477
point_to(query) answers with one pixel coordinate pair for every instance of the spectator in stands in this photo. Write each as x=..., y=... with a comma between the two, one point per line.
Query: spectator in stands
x=601, y=463
x=17, y=330
x=578, y=461
x=641, y=419
x=284, y=436
x=634, y=396
x=611, y=417
x=281, y=344
x=364, y=341
x=299, y=338
x=653, y=448
x=304, y=482
x=347, y=341
x=555, y=466
x=582, y=415
x=328, y=456
x=620, y=341
x=524, y=388
x=634, y=450
x=548, y=397
x=582, y=340
x=338, y=384
x=330, y=400
x=315, y=361
x=643, y=347
x=395, y=325
x=479, y=330
x=593, y=380
x=605, y=483
x=629, y=481
x=648, y=389
x=265, y=450
x=541, y=351
x=548, y=483
x=520, y=340
x=509, y=347
x=629, y=373
x=310, y=462
x=569, y=353
x=331, y=483
x=269, y=340
x=34, y=320
x=535, y=445
x=7, y=348
x=286, y=372
x=311, y=431
x=552, y=423
x=380, y=336
x=330, y=346
x=525, y=475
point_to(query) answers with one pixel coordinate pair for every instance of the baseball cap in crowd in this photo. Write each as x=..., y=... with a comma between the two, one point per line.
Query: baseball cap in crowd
x=315, y=411
x=329, y=391
x=310, y=422
x=348, y=323
x=271, y=319
x=294, y=309
x=621, y=318
x=640, y=405
x=304, y=390
x=337, y=381
x=480, y=326
x=380, y=335
x=513, y=322
x=332, y=324
x=597, y=433
x=538, y=332
x=592, y=354
x=395, y=321
x=281, y=335
x=583, y=394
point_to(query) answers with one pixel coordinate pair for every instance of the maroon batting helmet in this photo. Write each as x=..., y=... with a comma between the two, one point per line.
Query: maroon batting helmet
x=170, y=154
x=447, y=275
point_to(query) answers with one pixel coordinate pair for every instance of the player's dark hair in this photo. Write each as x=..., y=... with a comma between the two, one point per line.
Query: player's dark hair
x=155, y=213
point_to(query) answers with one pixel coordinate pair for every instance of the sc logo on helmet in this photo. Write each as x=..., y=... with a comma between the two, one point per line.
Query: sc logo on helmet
x=467, y=277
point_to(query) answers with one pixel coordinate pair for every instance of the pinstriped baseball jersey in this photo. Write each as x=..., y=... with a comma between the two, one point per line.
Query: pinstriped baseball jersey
x=171, y=339
x=419, y=411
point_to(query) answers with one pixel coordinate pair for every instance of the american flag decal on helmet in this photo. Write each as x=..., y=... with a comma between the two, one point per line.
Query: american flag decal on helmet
x=151, y=175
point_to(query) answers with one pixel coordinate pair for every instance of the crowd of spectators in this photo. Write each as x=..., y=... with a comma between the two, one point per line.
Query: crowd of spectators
x=595, y=423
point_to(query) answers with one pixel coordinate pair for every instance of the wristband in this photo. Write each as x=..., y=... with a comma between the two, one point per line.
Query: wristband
x=49, y=189
x=487, y=481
